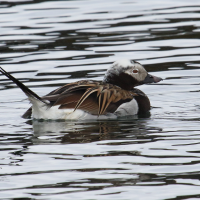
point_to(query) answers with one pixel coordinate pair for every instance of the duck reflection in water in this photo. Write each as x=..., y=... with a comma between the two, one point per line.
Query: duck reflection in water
x=86, y=132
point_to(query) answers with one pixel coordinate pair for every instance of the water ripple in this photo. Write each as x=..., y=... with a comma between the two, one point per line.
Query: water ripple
x=46, y=44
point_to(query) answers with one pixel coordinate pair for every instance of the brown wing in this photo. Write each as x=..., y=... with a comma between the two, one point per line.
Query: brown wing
x=91, y=96
x=94, y=97
x=68, y=96
x=111, y=98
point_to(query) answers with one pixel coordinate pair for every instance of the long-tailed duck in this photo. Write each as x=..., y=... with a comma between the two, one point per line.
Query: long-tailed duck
x=115, y=96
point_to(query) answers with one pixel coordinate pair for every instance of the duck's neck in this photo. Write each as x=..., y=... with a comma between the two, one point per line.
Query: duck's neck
x=122, y=80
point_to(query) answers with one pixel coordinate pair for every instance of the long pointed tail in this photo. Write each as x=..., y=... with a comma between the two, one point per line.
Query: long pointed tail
x=29, y=93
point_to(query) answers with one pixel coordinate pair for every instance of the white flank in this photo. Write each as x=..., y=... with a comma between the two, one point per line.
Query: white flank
x=129, y=108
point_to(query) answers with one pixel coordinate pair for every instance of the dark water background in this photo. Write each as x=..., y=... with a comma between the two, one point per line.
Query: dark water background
x=46, y=44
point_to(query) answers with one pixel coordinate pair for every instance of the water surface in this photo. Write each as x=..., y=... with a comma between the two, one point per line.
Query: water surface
x=46, y=44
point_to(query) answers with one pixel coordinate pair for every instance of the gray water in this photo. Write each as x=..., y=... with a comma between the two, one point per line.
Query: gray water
x=46, y=44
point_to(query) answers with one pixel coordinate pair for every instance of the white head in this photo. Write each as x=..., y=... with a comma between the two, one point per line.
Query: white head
x=128, y=74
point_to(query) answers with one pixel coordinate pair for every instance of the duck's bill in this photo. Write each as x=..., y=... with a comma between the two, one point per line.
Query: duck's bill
x=151, y=79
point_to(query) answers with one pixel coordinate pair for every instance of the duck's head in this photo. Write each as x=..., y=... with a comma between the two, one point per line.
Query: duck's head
x=127, y=74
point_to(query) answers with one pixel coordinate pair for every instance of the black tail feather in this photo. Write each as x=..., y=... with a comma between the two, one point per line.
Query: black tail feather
x=25, y=89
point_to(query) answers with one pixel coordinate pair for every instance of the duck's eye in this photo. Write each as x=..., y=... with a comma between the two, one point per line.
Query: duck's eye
x=135, y=71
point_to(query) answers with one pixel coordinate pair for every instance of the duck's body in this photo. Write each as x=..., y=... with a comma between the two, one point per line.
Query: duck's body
x=87, y=100
x=114, y=96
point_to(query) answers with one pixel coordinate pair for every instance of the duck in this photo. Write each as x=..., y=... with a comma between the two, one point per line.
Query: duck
x=115, y=96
